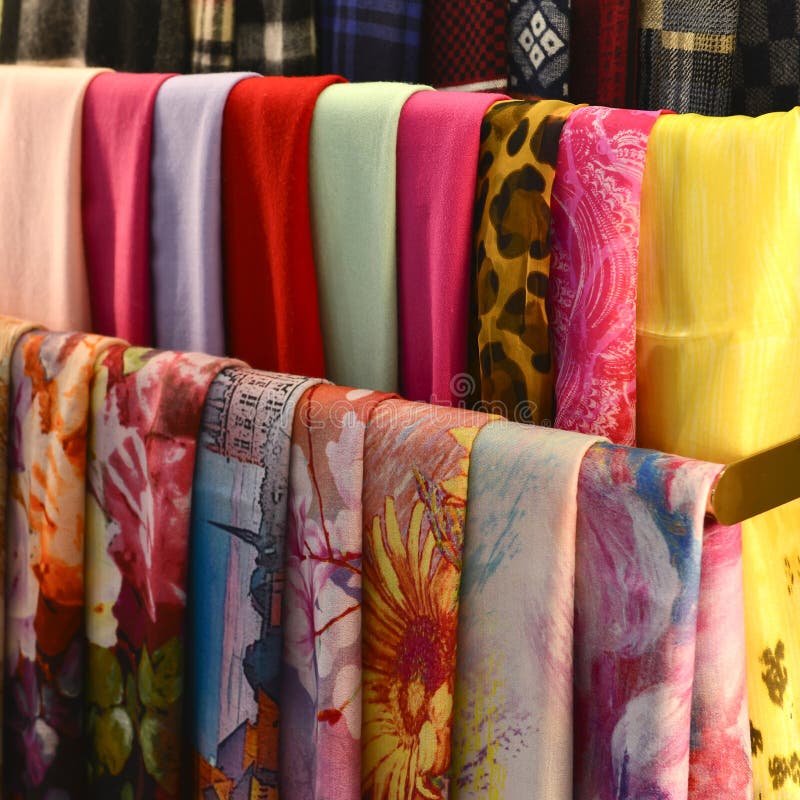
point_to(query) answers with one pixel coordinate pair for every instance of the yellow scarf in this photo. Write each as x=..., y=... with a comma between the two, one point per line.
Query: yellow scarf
x=719, y=365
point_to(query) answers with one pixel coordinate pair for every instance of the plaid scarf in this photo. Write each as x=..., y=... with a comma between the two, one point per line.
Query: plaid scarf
x=767, y=68
x=686, y=55
x=275, y=37
x=464, y=44
x=124, y=35
x=370, y=40
x=211, y=24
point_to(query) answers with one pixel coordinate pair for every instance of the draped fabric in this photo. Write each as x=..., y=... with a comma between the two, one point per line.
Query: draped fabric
x=416, y=467
x=276, y=37
x=49, y=31
x=320, y=756
x=595, y=254
x=437, y=156
x=239, y=518
x=10, y=331
x=370, y=40
x=45, y=640
x=538, y=42
x=270, y=276
x=603, y=52
x=767, y=66
x=686, y=55
x=661, y=698
x=513, y=732
x=353, y=166
x=718, y=373
x=186, y=213
x=509, y=339
x=211, y=33
x=464, y=44
x=117, y=145
x=130, y=36
x=41, y=242
x=145, y=417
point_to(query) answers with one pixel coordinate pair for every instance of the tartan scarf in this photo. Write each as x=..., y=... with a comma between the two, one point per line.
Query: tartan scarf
x=364, y=41
x=686, y=55
x=767, y=66
x=212, y=35
x=125, y=35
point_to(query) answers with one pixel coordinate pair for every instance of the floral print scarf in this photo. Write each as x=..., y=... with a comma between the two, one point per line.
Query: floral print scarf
x=321, y=686
x=146, y=412
x=45, y=641
x=416, y=465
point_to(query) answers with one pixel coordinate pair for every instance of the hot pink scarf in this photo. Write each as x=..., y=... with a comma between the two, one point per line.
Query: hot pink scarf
x=117, y=136
x=594, y=267
x=437, y=162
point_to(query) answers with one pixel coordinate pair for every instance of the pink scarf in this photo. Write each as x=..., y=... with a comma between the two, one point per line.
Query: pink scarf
x=593, y=273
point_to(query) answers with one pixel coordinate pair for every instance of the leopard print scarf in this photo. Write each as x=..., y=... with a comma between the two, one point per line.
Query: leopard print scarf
x=509, y=338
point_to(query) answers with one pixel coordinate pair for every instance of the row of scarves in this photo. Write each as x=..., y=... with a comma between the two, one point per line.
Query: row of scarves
x=640, y=267
x=739, y=56
x=222, y=582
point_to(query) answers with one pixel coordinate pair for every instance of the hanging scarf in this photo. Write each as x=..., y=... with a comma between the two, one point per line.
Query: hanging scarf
x=276, y=37
x=686, y=54
x=603, y=52
x=145, y=419
x=437, y=154
x=370, y=40
x=353, y=168
x=464, y=44
x=186, y=216
x=767, y=68
x=130, y=36
x=270, y=276
x=719, y=376
x=661, y=697
x=510, y=340
x=321, y=681
x=45, y=639
x=416, y=465
x=10, y=332
x=117, y=139
x=45, y=31
x=513, y=733
x=211, y=35
x=239, y=511
x=592, y=292
x=41, y=242
x=539, y=48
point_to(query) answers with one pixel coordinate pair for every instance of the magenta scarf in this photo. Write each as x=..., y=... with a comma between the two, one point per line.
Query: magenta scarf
x=594, y=268
x=117, y=138
x=437, y=162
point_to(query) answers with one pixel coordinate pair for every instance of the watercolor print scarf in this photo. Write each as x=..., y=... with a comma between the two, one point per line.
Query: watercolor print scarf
x=416, y=465
x=592, y=295
x=146, y=410
x=321, y=679
x=660, y=682
x=510, y=339
x=11, y=330
x=512, y=730
x=239, y=510
x=45, y=644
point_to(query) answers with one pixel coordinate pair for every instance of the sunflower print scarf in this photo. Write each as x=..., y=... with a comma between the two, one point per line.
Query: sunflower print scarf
x=416, y=464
